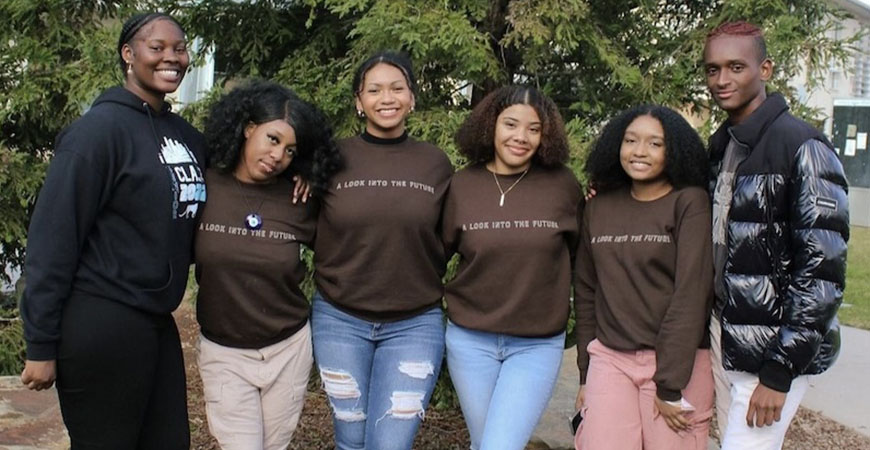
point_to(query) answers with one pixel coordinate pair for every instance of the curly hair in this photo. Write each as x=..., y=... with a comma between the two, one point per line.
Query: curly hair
x=741, y=28
x=133, y=25
x=686, y=161
x=257, y=101
x=476, y=136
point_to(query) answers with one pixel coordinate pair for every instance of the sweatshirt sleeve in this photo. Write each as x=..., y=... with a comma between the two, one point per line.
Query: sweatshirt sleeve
x=585, y=287
x=819, y=230
x=684, y=324
x=68, y=204
x=574, y=238
x=450, y=233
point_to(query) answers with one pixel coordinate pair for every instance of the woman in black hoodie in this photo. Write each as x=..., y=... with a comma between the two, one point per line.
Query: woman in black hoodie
x=108, y=252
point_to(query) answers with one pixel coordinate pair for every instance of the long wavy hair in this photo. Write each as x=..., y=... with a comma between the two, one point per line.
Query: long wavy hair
x=256, y=101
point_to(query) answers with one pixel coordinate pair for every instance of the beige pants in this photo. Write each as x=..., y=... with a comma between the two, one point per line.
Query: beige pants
x=720, y=379
x=254, y=397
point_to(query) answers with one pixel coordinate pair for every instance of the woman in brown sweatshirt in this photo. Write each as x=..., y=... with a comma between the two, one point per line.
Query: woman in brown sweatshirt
x=376, y=318
x=255, y=350
x=643, y=287
x=512, y=217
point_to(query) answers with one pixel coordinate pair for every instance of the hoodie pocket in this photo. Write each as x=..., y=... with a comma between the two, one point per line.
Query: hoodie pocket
x=162, y=285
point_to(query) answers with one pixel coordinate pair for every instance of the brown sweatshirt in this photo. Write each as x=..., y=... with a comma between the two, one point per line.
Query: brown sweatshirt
x=644, y=280
x=249, y=295
x=378, y=254
x=514, y=274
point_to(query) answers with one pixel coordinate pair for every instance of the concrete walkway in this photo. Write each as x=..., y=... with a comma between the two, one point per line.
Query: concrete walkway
x=31, y=420
x=841, y=394
x=554, y=430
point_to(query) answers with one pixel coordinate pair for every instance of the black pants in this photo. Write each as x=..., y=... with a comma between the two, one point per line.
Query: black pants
x=121, y=377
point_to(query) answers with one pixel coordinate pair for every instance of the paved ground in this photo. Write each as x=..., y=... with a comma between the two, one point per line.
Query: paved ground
x=31, y=420
x=553, y=430
x=843, y=392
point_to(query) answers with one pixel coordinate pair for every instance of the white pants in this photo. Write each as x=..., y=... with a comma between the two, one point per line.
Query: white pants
x=733, y=391
x=254, y=397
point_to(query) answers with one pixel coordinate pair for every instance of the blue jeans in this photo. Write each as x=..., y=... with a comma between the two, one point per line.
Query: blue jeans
x=379, y=377
x=504, y=383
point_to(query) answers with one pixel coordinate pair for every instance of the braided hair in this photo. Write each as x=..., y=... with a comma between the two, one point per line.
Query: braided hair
x=133, y=25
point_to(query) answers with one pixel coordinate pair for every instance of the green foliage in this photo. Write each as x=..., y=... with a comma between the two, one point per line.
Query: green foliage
x=11, y=336
x=444, y=396
x=55, y=56
x=856, y=299
x=593, y=57
x=21, y=176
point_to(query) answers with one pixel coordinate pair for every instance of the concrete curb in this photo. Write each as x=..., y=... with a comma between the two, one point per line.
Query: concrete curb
x=30, y=420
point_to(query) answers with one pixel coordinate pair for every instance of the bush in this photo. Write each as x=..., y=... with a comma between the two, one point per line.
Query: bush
x=11, y=336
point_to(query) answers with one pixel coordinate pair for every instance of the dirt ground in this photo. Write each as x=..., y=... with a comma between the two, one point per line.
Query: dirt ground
x=445, y=430
x=442, y=430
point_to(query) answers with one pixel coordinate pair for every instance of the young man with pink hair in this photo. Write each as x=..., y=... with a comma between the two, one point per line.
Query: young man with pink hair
x=780, y=226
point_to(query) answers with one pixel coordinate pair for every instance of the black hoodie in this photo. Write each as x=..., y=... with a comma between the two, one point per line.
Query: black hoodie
x=116, y=216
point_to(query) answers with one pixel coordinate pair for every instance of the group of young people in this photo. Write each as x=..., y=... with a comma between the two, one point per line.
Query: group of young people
x=123, y=213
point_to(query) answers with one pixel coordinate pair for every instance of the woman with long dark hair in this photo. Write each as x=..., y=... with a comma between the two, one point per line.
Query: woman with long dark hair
x=255, y=350
x=511, y=215
x=643, y=287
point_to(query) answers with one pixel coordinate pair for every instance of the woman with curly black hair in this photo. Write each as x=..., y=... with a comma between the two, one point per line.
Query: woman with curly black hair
x=643, y=286
x=255, y=349
x=512, y=216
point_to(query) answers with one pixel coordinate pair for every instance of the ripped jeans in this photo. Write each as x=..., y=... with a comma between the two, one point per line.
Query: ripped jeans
x=378, y=376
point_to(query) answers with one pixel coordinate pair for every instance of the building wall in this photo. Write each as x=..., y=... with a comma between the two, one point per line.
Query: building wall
x=851, y=81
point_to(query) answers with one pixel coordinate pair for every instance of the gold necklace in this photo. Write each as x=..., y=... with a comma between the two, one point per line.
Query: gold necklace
x=503, y=193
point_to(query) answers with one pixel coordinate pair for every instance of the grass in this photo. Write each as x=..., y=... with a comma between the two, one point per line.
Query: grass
x=856, y=300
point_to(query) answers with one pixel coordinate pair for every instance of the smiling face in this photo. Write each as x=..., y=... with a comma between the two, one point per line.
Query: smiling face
x=157, y=57
x=517, y=137
x=736, y=74
x=269, y=148
x=642, y=153
x=386, y=99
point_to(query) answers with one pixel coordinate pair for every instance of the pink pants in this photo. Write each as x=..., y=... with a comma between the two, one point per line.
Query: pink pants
x=619, y=410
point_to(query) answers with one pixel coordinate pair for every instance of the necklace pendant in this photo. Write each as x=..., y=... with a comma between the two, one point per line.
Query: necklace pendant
x=253, y=221
x=501, y=200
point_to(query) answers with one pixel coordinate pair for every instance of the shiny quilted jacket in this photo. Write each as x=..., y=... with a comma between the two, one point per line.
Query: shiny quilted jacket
x=786, y=239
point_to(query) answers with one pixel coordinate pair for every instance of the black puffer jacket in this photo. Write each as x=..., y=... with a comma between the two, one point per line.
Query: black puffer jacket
x=786, y=247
